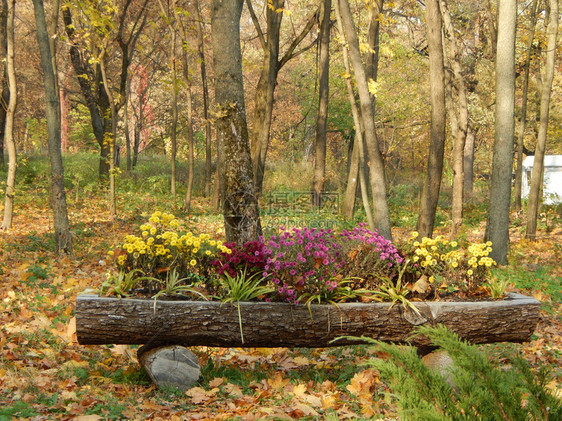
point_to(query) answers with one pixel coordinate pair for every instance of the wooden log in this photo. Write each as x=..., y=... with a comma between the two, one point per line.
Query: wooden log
x=102, y=320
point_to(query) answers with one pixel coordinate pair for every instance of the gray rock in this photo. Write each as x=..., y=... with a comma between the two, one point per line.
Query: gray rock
x=443, y=363
x=171, y=366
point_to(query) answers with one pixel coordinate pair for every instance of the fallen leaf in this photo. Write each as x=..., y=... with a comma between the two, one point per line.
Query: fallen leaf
x=422, y=285
x=278, y=382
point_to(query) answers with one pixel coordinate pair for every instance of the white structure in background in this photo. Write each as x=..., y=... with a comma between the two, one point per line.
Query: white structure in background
x=552, y=182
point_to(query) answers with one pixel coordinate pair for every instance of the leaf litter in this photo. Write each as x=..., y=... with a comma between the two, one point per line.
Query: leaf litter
x=45, y=374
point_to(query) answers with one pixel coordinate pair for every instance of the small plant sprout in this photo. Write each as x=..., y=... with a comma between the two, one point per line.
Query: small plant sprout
x=242, y=287
x=121, y=284
x=396, y=292
x=174, y=285
x=497, y=287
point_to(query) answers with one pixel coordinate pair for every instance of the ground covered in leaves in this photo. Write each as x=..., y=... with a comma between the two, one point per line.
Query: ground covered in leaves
x=45, y=374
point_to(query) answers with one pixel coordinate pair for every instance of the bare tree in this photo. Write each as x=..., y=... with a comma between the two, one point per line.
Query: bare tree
x=319, y=174
x=546, y=89
x=432, y=186
x=497, y=226
x=5, y=94
x=523, y=116
x=272, y=64
x=63, y=238
x=459, y=111
x=9, y=125
x=381, y=216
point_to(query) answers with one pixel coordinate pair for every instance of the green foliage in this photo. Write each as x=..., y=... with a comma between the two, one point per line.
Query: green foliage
x=33, y=170
x=344, y=291
x=18, y=410
x=173, y=285
x=480, y=390
x=242, y=287
x=396, y=291
x=37, y=129
x=121, y=284
x=81, y=172
x=497, y=287
x=537, y=278
x=402, y=200
x=81, y=134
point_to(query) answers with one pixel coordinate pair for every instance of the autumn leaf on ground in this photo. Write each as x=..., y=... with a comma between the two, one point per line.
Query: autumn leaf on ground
x=278, y=382
x=198, y=395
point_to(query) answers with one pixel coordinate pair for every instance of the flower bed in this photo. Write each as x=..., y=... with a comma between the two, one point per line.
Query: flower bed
x=297, y=266
x=300, y=287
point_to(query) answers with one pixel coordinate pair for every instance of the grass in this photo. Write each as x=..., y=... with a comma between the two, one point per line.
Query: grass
x=536, y=279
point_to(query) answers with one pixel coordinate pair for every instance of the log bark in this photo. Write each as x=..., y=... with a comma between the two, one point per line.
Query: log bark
x=102, y=320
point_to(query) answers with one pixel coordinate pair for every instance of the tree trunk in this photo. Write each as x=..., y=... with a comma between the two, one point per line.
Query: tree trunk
x=381, y=215
x=454, y=57
x=64, y=109
x=546, y=89
x=126, y=123
x=357, y=170
x=469, y=163
x=9, y=127
x=174, y=129
x=63, y=238
x=5, y=95
x=350, y=194
x=136, y=140
x=101, y=320
x=322, y=115
x=189, y=122
x=216, y=198
x=208, y=130
x=523, y=117
x=127, y=43
x=94, y=93
x=265, y=90
x=497, y=226
x=372, y=62
x=432, y=186
x=240, y=204
x=110, y=140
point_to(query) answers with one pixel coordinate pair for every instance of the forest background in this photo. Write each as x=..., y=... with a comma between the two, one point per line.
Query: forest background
x=156, y=61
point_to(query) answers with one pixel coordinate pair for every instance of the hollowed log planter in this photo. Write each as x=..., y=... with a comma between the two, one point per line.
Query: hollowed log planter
x=101, y=320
